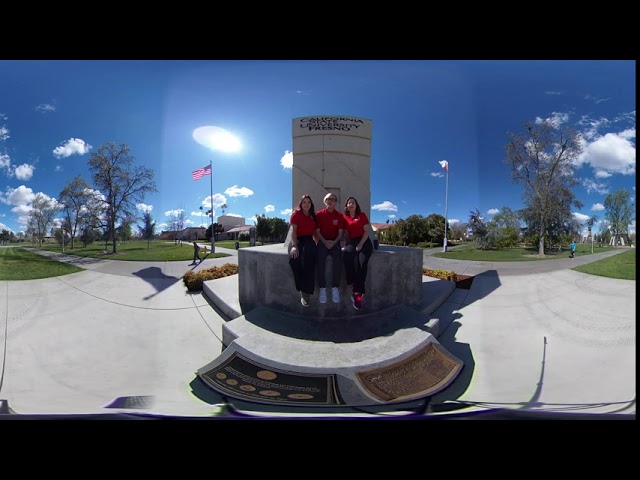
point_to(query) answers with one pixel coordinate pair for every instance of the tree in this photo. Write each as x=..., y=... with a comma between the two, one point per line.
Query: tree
x=148, y=230
x=42, y=212
x=279, y=229
x=263, y=227
x=541, y=159
x=619, y=213
x=74, y=197
x=122, y=183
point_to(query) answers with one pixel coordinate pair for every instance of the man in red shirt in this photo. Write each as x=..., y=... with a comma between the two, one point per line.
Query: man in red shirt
x=331, y=225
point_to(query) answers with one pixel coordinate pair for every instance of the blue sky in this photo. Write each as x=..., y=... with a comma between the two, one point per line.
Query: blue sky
x=53, y=114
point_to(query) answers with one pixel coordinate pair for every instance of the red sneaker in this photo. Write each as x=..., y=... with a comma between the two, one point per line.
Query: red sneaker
x=357, y=299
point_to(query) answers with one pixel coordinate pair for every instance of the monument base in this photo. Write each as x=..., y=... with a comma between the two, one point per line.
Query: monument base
x=394, y=277
x=381, y=358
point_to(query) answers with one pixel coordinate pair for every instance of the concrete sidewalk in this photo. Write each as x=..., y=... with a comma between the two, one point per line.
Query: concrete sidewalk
x=127, y=337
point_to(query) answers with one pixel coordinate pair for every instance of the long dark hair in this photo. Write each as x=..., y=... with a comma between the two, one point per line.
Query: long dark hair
x=346, y=209
x=312, y=210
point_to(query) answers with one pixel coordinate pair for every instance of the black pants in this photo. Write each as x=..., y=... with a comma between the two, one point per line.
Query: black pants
x=196, y=256
x=304, y=267
x=336, y=270
x=355, y=267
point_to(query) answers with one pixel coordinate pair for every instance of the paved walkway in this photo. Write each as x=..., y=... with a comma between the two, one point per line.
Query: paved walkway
x=126, y=336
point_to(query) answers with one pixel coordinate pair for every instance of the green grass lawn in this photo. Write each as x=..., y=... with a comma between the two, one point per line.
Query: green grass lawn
x=619, y=266
x=157, y=250
x=20, y=264
x=471, y=252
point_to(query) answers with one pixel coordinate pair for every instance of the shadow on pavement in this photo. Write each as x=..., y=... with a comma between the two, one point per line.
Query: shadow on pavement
x=156, y=278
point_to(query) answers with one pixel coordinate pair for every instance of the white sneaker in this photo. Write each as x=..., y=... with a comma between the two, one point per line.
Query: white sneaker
x=304, y=299
x=335, y=295
x=323, y=295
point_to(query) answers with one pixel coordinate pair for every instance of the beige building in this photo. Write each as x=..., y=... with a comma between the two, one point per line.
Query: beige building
x=332, y=154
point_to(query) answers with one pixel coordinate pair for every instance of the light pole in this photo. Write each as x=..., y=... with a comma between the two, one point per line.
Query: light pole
x=445, y=165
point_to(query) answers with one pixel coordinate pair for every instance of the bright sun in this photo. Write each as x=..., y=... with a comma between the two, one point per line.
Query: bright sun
x=217, y=138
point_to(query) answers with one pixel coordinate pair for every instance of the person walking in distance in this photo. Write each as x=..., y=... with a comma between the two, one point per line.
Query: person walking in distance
x=302, y=250
x=573, y=249
x=330, y=228
x=357, y=250
x=196, y=253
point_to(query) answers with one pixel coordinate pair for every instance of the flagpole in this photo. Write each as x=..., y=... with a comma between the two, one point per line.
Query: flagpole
x=213, y=233
x=446, y=196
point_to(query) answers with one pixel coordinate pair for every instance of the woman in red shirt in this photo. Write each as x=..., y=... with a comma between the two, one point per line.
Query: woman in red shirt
x=355, y=265
x=303, y=248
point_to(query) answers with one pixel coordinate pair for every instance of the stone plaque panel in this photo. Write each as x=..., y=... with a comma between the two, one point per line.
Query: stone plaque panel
x=423, y=373
x=241, y=377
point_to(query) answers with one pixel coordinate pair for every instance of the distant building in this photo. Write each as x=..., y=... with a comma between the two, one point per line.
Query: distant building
x=379, y=228
x=193, y=233
x=230, y=222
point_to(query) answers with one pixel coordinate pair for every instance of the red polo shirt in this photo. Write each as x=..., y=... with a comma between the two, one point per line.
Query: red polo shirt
x=355, y=226
x=306, y=225
x=330, y=223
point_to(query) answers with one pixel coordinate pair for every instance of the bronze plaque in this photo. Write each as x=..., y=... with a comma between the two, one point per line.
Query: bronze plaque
x=419, y=375
x=243, y=378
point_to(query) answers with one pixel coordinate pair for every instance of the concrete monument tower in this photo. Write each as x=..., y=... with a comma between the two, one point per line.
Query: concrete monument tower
x=332, y=154
x=277, y=351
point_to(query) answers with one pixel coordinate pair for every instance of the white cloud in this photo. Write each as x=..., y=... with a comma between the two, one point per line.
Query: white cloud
x=173, y=213
x=603, y=174
x=143, y=207
x=597, y=207
x=392, y=216
x=551, y=92
x=592, y=126
x=385, y=206
x=613, y=153
x=237, y=215
x=556, y=119
x=4, y=133
x=162, y=226
x=287, y=159
x=492, y=211
x=254, y=219
x=437, y=174
x=269, y=208
x=4, y=227
x=453, y=221
x=592, y=186
x=218, y=201
x=45, y=107
x=581, y=217
x=286, y=211
x=72, y=146
x=5, y=161
x=235, y=191
x=595, y=99
x=58, y=168
x=18, y=196
x=24, y=171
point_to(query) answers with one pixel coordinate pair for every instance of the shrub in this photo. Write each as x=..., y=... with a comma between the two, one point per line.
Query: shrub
x=441, y=274
x=194, y=280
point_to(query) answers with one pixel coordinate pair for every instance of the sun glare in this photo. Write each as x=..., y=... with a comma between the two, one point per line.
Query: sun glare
x=217, y=138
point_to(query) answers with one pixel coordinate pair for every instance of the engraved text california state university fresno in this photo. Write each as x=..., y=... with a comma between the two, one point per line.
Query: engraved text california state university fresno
x=330, y=123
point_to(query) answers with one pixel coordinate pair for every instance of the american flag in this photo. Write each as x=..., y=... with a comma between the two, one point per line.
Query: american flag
x=201, y=172
x=444, y=164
